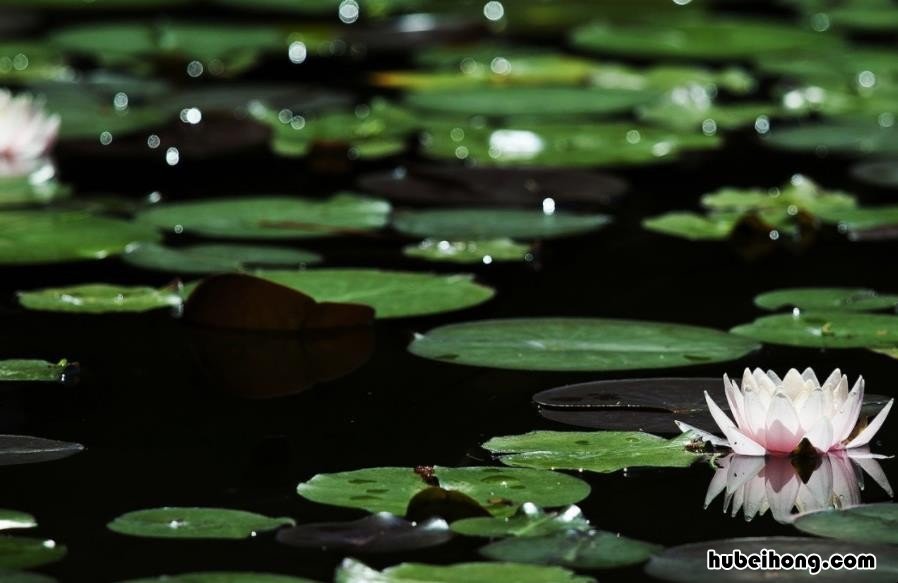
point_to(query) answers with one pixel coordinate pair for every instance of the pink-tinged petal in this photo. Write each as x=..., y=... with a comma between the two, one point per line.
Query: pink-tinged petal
x=864, y=437
x=874, y=470
x=717, y=413
x=783, y=428
x=821, y=435
x=793, y=384
x=743, y=444
x=755, y=418
x=782, y=501
x=811, y=410
x=778, y=471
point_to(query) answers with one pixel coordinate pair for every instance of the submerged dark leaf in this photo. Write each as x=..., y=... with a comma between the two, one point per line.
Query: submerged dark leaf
x=379, y=533
x=23, y=449
x=451, y=505
x=577, y=549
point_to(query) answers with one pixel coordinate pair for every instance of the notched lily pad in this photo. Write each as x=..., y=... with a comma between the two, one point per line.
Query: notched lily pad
x=19, y=552
x=576, y=549
x=245, y=302
x=23, y=449
x=18, y=370
x=195, y=523
x=827, y=299
x=869, y=523
x=101, y=298
x=352, y=571
x=595, y=451
x=379, y=533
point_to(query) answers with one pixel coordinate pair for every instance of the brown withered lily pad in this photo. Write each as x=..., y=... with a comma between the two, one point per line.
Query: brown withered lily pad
x=650, y=405
x=379, y=533
x=245, y=302
x=458, y=185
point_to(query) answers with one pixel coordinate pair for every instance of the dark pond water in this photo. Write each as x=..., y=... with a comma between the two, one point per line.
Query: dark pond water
x=162, y=426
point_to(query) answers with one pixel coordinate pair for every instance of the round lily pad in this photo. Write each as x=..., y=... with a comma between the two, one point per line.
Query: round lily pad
x=352, y=571
x=379, y=533
x=440, y=185
x=15, y=519
x=473, y=224
x=578, y=344
x=195, y=523
x=223, y=577
x=52, y=237
x=486, y=251
x=19, y=552
x=392, y=294
x=709, y=39
x=825, y=330
x=499, y=490
x=592, y=549
x=23, y=449
x=270, y=217
x=868, y=523
x=883, y=173
x=22, y=62
x=827, y=299
x=530, y=101
x=596, y=451
x=844, y=136
x=99, y=298
x=219, y=258
x=18, y=370
x=689, y=563
x=529, y=521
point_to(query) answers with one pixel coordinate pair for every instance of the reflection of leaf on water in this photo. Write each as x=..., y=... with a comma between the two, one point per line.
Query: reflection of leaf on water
x=379, y=533
x=259, y=366
x=23, y=449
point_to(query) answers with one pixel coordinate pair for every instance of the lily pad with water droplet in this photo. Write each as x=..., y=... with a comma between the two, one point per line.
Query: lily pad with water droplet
x=23, y=449
x=578, y=344
x=270, y=217
x=195, y=523
x=540, y=102
x=698, y=115
x=485, y=251
x=379, y=533
x=593, y=451
x=707, y=39
x=529, y=521
x=223, y=577
x=34, y=370
x=868, y=523
x=694, y=226
x=484, y=224
x=52, y=237
x=216, y=258
x=100, y=298
x=827, y=299
x=23, y=62
x=824, y=330
x=499, y=490
x=591, y=549
x=352, y=571
x=689, y=563
x=527, y=143
x=15, y=519
x=19, y=552
x=392, y=294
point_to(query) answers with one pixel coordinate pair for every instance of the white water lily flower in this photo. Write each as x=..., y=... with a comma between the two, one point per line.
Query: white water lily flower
x=774, y=415
x=754, y=485
x=26, y=134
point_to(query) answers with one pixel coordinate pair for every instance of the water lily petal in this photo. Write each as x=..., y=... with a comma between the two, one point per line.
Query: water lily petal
x=845, y=418
x=821, y=435
x=783, y=428
x=810, y=375
x=743, y=444
x=793, y=384
x=717, y=413
x=864, y=437
x=755, y=417
x=874, y=470
x=811, y=411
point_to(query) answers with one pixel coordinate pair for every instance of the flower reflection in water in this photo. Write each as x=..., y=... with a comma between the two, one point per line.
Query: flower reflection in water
x=786, y=486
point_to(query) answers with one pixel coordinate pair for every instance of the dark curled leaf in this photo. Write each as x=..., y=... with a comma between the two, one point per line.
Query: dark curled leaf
x=450, y=505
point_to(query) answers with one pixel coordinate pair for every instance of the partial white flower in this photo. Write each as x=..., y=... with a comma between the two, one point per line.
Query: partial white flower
x=27, y=133
x=773, y=415
x=754, y=485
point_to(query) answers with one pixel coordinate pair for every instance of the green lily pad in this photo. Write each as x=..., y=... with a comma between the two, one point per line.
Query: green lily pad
x=711, y=39
x=223, y=577
x=529, y=101
x=827, y=299
x=24, y=577
x=216, y=258
x=578, y=344
x=843, y=66
x=33, y=370
x=593, y=549
x=367, y=8
x=270, y=217
x=694, y=226
x=858, y=221
x=15, y=519
x=824, y=330
x=489, y=223
x=479, y=251
x=844, y=136
x=890, y=352
x=23, y=62
x=195, y=523
x=352, y=571
x=532, y=143
x=33, y=189
x=392, y=294
x=593, y=451
x=19, y=552
x=500, y=490
x=868, y=523
x=219, y=49
x=95, y=4
x=883, y=173
x=529, y=521
x=100, y=298
x=700, y=115
x=869, y=16
x=53, y=237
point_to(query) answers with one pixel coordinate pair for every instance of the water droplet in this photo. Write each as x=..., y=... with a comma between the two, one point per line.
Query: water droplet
x=348, y=11
x=297, y=52
x=105, y=138
x=195, y=69
x=172, y=156
x=493, y=10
